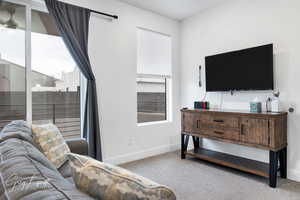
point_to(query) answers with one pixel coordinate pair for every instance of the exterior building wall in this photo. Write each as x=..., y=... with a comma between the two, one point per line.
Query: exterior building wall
x=12, y=78
x=70, y=81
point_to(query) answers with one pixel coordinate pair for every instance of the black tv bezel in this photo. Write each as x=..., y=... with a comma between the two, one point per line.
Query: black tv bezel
x=248, y=89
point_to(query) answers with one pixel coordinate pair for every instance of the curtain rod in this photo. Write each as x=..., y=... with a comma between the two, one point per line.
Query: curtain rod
x=97, y=12
x=105, y=14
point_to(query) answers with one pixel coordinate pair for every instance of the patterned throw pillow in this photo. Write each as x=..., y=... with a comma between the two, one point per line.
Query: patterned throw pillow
x=51, y=142
x=104, y=181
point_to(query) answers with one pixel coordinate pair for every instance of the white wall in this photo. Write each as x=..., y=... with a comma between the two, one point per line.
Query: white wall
x=113, y=46
x=239, y=24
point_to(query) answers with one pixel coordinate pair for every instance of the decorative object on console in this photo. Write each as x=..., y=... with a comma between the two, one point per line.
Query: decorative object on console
x=206, y=105
x=197, y=105
x=269, y=105
x=275, y=105
x=201, y=105
x=275, y=102
x=276, y=93
x=255, y=107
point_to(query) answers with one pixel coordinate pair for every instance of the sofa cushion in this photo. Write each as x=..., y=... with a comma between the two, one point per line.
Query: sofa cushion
x=25, y=173
x=65, y=170
x=105, y=181
x=51, y=142
x=17, y=129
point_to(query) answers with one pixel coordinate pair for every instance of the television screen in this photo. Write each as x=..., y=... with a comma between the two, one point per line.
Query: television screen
x=248, y=69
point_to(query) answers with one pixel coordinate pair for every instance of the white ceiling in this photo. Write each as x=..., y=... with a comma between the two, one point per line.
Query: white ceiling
x=175, y=9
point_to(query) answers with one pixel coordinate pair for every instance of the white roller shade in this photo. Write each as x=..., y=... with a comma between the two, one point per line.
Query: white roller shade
x=153, y=53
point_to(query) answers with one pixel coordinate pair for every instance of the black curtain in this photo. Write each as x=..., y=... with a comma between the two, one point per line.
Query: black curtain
x=73, y=24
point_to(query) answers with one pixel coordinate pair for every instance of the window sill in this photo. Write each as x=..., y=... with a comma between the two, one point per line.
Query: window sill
x=153, y=123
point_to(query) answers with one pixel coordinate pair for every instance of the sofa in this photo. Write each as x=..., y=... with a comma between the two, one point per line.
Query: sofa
x=26, y=173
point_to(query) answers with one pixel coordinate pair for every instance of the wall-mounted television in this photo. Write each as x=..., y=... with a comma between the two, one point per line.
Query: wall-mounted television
x=247, y=69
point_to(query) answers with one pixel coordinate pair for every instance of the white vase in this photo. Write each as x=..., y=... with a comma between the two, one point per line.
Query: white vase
x=275, y=105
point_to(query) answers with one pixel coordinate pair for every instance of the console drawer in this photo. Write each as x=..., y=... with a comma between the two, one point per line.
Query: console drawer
x=218, y=121
x=230, y=134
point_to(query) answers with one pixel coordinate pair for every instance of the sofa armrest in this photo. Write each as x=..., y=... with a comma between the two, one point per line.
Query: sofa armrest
x=79, y=146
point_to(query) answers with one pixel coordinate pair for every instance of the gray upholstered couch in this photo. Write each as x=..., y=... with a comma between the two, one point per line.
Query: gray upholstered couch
x=25, y=173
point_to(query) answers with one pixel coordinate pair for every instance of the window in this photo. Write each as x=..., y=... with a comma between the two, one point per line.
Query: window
x=153, y=76
x=44, y=65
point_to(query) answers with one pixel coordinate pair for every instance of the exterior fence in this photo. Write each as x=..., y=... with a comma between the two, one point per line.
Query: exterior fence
x=151, y=106
x=65, y=116
x=61, y=108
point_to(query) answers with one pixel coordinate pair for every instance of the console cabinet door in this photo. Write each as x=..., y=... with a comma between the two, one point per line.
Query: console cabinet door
x=187, y=122
x=255, y=131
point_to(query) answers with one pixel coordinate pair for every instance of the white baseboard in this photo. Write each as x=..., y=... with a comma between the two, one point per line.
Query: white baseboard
x=293, y=175
x=142, y=154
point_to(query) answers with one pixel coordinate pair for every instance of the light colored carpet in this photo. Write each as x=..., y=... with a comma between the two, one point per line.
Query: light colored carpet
x=196, y=180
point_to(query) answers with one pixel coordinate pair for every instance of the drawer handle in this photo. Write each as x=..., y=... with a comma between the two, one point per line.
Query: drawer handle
x=219, y=121
x=219, y=132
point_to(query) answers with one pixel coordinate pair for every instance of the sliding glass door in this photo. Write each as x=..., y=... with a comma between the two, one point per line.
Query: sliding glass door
x=52, y=78
x=12, y=62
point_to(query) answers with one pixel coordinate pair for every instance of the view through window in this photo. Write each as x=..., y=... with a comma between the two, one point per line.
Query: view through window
x=151, y=99
x=54, y=80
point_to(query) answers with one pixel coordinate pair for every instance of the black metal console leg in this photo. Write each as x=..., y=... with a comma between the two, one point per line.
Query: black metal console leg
x=273, y=169
x=196, y=142
x=199, y=142
x=184, y=144
x=283, y=162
